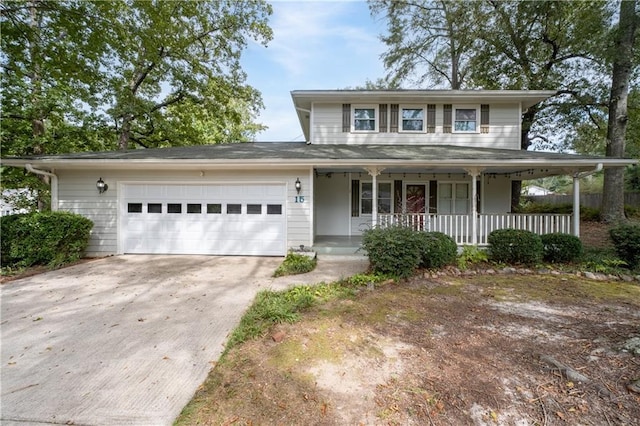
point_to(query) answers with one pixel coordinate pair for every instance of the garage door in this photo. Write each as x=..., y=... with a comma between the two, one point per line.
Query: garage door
x=204, y=219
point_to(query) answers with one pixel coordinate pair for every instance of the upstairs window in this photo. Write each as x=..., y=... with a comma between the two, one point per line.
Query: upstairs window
x=412, y=119
x=466, y=120
x=365, y=119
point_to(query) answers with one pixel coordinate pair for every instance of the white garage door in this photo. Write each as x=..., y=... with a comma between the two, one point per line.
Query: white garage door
x=204, y=219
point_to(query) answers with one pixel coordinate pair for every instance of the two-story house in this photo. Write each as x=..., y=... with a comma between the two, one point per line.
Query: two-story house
x=433, y=160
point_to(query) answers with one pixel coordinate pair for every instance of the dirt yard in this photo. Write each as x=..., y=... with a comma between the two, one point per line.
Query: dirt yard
x=483, y=350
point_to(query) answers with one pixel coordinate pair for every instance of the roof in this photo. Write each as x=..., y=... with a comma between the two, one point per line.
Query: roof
x=304, y=99
x=299, y=154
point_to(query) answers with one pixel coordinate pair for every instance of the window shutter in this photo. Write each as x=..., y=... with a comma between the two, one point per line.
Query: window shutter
x=431, y=118
x=394, y=118
x=446, y=125
x=484, y=118
x=346, y=117
x=383, y=118
x=433, y=196
x=355, y=198
x=397, y=195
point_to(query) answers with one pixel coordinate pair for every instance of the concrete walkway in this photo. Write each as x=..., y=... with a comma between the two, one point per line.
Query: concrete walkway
x=127, y=340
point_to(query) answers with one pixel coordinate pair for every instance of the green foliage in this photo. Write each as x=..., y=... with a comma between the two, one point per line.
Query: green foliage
x=626, y=238
x=561, y=248
x=515, y=246
x=394, y=250
x=360, y=280
x=586, y=213
x=43, y=238
x=471, y=255
x=295, y=264
x=437, y=249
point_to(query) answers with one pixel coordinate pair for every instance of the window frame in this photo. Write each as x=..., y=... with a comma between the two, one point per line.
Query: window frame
x=401, y=128
x=376, y=117
x=380, y=182
x=453, y=199
x=454, y=111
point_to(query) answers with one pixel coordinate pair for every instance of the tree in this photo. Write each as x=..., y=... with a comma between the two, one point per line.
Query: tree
x=612, y=209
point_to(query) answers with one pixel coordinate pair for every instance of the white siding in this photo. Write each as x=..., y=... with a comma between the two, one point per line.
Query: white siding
x=78, y=194
x=504, y=120
x=332, y=203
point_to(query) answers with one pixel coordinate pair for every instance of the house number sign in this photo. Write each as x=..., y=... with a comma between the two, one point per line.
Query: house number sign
x=299, y=198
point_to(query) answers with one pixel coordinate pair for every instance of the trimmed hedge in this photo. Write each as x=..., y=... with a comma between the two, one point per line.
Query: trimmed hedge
x=43, y=238
x=560, y=248
x=394, y=250
x=437, y=250
x=515, y=246
x=626, y=239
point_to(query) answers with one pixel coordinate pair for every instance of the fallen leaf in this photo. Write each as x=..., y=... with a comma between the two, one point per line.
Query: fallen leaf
x=560, y=414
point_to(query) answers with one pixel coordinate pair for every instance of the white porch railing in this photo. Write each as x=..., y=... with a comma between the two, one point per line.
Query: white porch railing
x=460, y=227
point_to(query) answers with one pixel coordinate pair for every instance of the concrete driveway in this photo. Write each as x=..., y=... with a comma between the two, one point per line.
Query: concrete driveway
x=127, y=339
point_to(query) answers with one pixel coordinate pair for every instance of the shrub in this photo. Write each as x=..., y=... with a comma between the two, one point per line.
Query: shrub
x=586, y=213
x=44, y=238
x=394, y=250
x=560, y=248
x=295, y=264
x=471, y=255
x=437, y=249
x=626, y=239
x=515, y=246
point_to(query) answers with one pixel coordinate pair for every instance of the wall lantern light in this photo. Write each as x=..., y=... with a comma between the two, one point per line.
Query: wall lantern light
x=298, y=185
x=102, y=187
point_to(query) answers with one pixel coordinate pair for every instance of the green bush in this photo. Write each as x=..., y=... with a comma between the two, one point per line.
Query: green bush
x=43, y=238
x=437, y=249
x=471, y=255
x=626, y=239
x=561, y=248
x=586, y=213
x=515, y=246
x=295, y=264
x=394, y=250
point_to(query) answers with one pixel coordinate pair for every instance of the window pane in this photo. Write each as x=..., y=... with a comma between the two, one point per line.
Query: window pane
x=462, y=190
x=234, y=208
x=274, y=208
x=154, y=208
x=384, y=205
x=364, y=119
x=412, y=113
x=214, y=208
x=367, y=190
x=367, y=206
x=134, y=208
x=462, y=207
x=412, y=125
x=465, y=114
x=384, y=190
x=194, y=208
x=364, y=125
x=465, y=126
x=365, y=113
x=445, y=190
x=254, y=208
x=174, y=208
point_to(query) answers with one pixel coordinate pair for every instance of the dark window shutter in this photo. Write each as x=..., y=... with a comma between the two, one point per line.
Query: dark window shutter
x=478, y=189
x=355, y=198
x=346, y=117
x=446, y=124
x=383, y=118
x=431, y=118
x=397, y=195
x=394, y=118
x=433, y=196
x=484, y=118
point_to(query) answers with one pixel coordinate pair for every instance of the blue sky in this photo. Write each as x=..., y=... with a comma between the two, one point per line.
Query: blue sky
x=316, y=45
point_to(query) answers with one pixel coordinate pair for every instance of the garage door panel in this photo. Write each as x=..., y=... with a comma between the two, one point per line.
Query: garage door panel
x=208, y=219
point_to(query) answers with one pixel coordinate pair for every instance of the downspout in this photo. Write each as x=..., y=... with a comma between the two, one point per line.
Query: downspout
x=54, y=183
x=576, y=197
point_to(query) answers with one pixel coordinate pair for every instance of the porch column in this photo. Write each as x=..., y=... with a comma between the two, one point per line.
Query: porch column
x=576, y=204
x=474, y=173
x=374, y=172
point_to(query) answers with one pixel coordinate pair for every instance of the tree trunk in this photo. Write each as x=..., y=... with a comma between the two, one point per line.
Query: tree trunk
x=612, y=209
x=125, y=133
x=525, y=142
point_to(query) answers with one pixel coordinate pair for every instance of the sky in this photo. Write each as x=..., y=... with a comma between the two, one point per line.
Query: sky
x=316, y=45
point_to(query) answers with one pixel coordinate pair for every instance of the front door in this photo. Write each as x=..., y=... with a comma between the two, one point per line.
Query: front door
x=416, y=203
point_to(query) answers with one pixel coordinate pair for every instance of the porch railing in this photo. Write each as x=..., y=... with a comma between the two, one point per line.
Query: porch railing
x=460, y=227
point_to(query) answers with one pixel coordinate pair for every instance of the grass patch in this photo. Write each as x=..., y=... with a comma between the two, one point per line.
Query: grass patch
x=295, y=264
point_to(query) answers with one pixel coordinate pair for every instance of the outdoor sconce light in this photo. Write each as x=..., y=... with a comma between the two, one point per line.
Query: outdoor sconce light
x=102, y=187
x=298, y=185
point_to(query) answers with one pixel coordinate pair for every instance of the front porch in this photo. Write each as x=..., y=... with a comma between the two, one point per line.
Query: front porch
x=461, y=228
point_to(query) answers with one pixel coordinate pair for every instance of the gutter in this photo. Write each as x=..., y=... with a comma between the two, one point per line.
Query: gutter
x=54, y=183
